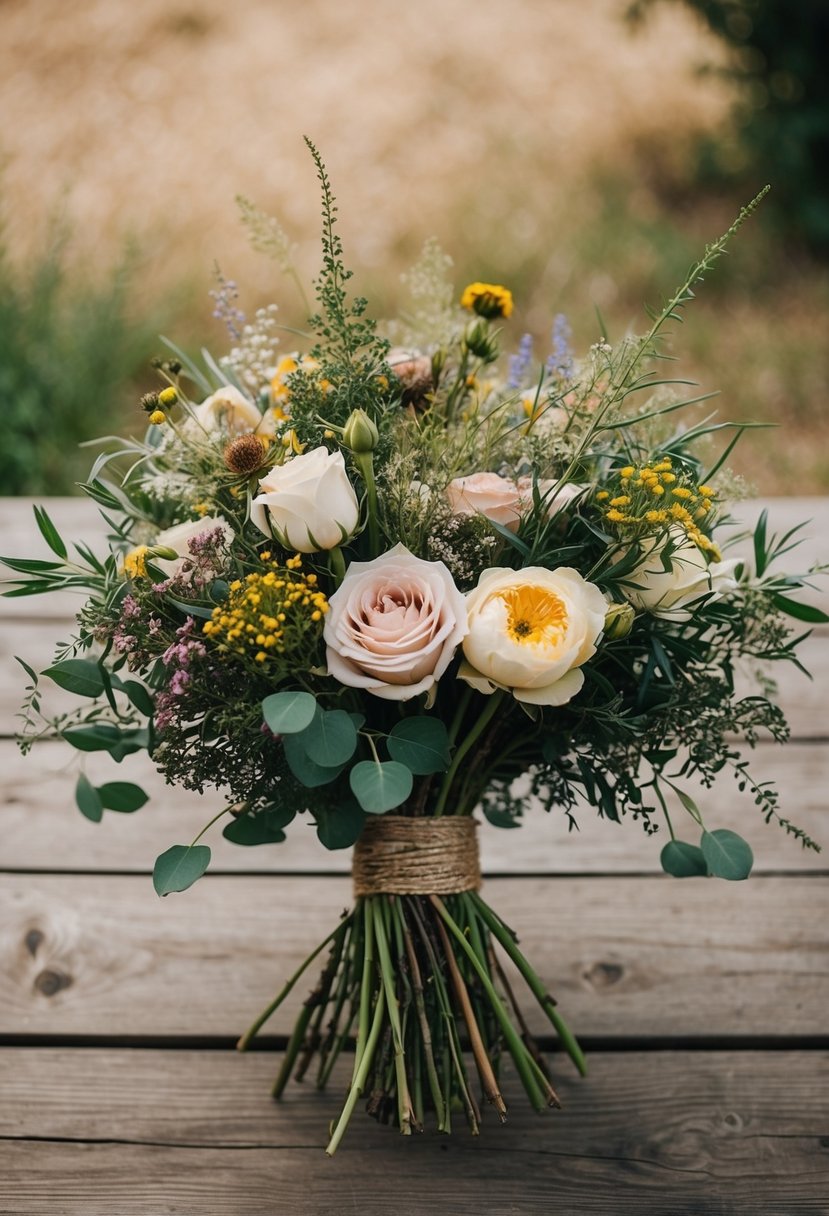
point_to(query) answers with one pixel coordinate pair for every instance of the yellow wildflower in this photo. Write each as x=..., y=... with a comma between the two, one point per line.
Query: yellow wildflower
x=487, y=300
x=135, y=562
x=158, y=417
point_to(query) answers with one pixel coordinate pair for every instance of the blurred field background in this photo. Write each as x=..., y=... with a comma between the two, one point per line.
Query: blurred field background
x=559, y=147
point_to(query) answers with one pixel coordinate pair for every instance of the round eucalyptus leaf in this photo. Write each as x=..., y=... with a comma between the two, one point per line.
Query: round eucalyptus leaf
x=180, y=867
x=727, y=854
x=380, y=786
x=331, y=738
x=422, y=744
x=683, y=860
x=88, y=799
x=287, y=713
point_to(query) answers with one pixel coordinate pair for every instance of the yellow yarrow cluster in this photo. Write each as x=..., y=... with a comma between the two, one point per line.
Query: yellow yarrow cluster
x=653, y=496
x=269, y=614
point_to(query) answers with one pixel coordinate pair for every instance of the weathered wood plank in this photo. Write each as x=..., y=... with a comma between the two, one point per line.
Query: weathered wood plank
x=129, y=1133
x=100, y=956
x=41, y=829
x=802, y=699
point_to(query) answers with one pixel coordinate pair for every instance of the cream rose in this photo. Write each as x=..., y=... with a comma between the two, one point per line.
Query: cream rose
x=393, y=625
x=229, y=410
x=308, y=503
x=671, y=593
x=530, y=631
x=178, y=538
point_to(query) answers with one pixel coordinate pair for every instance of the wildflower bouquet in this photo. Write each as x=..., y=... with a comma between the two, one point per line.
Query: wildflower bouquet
x=377, y=587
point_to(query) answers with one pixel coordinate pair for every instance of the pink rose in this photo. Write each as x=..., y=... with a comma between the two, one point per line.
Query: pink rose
x=487, y=494
x=502, y=500
x=393, y=625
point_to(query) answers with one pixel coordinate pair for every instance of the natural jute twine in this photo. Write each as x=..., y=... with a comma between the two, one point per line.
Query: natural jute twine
x=399, y=856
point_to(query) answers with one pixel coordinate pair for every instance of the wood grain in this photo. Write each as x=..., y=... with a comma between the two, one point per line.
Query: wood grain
x=132, y=1133
x=101, y=956
x=41, y=828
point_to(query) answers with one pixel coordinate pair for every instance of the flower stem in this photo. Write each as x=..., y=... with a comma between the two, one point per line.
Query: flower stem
x=504, y=935
x=473, y=736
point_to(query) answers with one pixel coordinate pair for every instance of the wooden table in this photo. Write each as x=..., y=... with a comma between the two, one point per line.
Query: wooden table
x=703, y=1005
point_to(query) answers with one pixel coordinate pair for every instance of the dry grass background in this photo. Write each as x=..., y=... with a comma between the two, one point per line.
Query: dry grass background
x=528, y=137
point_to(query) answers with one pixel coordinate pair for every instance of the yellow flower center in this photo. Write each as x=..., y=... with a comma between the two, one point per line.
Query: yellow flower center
x=535, y=616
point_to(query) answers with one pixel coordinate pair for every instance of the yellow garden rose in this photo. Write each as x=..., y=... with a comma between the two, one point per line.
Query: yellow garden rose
x=530, y=631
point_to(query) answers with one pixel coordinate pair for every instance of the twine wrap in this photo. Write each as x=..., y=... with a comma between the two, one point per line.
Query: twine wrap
x=399, y=856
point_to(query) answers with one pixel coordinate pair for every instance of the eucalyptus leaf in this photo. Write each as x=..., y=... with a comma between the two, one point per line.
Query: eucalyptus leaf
x=88, y=799
x=422, y=744
x=330, y=738
x=303, y=767
x=180, y=867
x=122, y=796
x=263, y=827
x=338, y=828
x=288, y=713
x=683, y=860
x=380, y=786
x=727, y=854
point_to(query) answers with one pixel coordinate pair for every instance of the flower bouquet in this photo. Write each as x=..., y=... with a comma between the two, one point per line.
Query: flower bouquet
x=383, y=583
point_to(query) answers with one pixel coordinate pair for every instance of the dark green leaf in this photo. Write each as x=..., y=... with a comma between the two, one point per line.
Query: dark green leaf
x=30, y=565
x=49, y=532
x=330, y=738
x=191, y=609
x=501, y=819
x=339, y=828
x=303, y=767
x=139, y=696
x=98, y=737
x=422, y=744
x=380, y=786
x=180, y=867
x=287, y=713
x=81, y=676
x=683, y=860
x=122, y=796
x=88, y=800
x=727, y=854
x=263, y=827
x=30, y=672
x=760, y=544
x=801, y=612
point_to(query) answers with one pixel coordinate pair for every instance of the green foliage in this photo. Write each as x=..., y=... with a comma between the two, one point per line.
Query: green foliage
x=781, y=113
x=264, y=826
x=179, y=867
x=287, y=713
x=70, y=347
x=727, y=855
x=422, y=744
x=380, y=786
x=683, y=860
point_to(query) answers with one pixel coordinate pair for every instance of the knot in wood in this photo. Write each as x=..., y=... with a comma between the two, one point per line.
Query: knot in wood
x=399, y=856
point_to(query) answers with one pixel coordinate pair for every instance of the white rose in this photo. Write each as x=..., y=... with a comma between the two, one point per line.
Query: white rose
x=179, y=537
x=530, y=631
x=229, y=410
x=393, y=625
x=308, y=503
x=671, y=593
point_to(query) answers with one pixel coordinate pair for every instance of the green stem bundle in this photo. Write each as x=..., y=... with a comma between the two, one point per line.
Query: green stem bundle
x=419, y=979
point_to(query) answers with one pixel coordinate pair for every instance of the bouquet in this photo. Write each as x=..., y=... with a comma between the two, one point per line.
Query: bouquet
x=385, y=582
